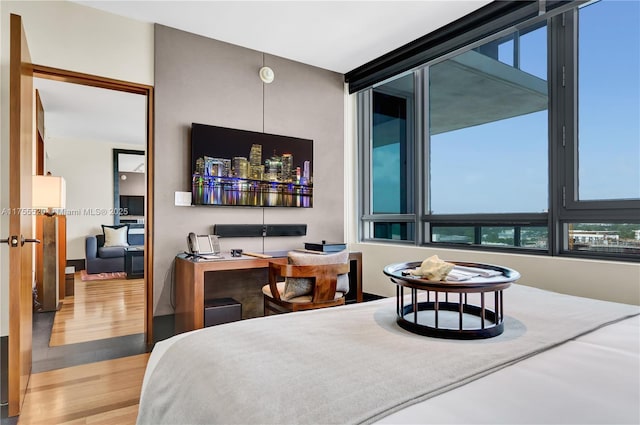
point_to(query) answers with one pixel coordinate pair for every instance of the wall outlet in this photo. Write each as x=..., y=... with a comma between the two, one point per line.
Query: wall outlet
x=183, y=199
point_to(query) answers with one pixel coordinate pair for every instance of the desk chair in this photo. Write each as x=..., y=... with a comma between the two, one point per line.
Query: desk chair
x=320, y=281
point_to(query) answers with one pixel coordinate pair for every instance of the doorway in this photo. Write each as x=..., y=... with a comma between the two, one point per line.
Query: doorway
x=82, y=211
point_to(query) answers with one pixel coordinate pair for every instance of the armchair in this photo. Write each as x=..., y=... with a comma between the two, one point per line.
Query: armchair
x=324, y=293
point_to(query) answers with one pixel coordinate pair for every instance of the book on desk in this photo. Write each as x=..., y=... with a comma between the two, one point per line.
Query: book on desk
x=325, y=246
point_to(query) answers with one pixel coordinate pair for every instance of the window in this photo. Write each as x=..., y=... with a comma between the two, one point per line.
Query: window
x=395, y=231
x=600, y=212
x=488, y=129
x=391, y=161
x=608, y=108
x=530, y=237
x=390, y=143
x=603, y=238
x=527, y=140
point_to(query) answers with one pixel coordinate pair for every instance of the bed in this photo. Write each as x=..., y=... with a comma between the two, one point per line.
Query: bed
x=560, y=359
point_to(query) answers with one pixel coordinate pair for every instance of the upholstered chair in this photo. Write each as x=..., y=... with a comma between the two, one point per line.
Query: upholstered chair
x=310, y=281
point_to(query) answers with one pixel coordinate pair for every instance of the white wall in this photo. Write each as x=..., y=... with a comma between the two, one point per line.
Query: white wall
x=605, y=280
x=68, y=36
x=87, y=166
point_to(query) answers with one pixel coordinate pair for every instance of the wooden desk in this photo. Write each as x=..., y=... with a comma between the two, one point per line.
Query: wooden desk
x=189, y=284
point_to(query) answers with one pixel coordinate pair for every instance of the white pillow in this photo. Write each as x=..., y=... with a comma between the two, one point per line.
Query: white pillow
x=116, y=236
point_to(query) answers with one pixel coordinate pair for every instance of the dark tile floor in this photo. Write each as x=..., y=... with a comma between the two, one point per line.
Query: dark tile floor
x=163, y=327
x=4, y=420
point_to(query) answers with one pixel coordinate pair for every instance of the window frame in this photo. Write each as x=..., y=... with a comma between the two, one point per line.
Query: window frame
x=570, y=208
x=365, y=132
x=589, y=209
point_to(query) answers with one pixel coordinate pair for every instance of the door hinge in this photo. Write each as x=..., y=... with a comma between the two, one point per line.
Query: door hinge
x=564, y=196
x=564, y=15
x=564, y=136
x=564, y=79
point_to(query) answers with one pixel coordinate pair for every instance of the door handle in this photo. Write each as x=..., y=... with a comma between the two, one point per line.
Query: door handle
x=29, y=240
x=13, y=241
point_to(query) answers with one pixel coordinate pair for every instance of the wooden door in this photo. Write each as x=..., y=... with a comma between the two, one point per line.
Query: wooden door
x=20, y=221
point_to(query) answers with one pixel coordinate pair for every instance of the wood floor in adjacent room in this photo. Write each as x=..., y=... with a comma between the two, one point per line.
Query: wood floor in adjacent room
x=100, y=392
x=99, y=310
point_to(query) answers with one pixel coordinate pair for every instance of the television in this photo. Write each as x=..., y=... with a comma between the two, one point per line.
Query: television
x=132, y=205
x=231, y=167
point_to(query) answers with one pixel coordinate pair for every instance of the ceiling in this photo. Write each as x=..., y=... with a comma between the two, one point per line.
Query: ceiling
x=77, y=112
x=334, y=35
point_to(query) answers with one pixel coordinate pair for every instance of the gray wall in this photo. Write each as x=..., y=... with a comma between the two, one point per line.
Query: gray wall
x=211, y=82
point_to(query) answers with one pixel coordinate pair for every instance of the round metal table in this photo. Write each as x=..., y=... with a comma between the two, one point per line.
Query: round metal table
x=476, y=318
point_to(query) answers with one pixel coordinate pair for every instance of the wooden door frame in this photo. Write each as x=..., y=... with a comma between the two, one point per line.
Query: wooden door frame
x=40, y=71
x=21, y=155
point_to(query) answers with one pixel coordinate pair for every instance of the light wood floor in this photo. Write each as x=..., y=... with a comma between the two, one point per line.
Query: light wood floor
x=99, y=310
x=96, y=393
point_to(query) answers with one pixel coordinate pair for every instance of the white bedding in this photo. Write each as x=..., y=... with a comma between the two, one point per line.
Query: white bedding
x=593, y=378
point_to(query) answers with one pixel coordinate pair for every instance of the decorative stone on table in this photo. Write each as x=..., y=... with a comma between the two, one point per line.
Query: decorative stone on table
x=433, y=268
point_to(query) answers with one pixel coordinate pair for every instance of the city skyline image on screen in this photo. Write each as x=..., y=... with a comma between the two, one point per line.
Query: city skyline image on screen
x=231, y=167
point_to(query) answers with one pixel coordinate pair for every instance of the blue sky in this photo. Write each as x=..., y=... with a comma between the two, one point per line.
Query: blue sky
x=609, y=130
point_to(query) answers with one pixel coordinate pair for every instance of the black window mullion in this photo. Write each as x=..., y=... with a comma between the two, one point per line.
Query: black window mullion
x=560, y=45
x=421, y=162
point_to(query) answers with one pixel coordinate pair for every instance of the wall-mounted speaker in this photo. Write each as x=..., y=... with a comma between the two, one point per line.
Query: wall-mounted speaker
x=286, y=229
x=258, y=230
x=238, y=230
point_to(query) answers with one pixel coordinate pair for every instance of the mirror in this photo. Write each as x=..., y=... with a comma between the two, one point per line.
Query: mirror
x=129, y=187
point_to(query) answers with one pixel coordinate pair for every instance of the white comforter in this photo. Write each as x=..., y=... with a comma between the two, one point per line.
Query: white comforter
x=593, y=378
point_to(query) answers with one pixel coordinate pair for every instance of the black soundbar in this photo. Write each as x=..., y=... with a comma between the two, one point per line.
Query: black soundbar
x=258, y=230
x=238, y=230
